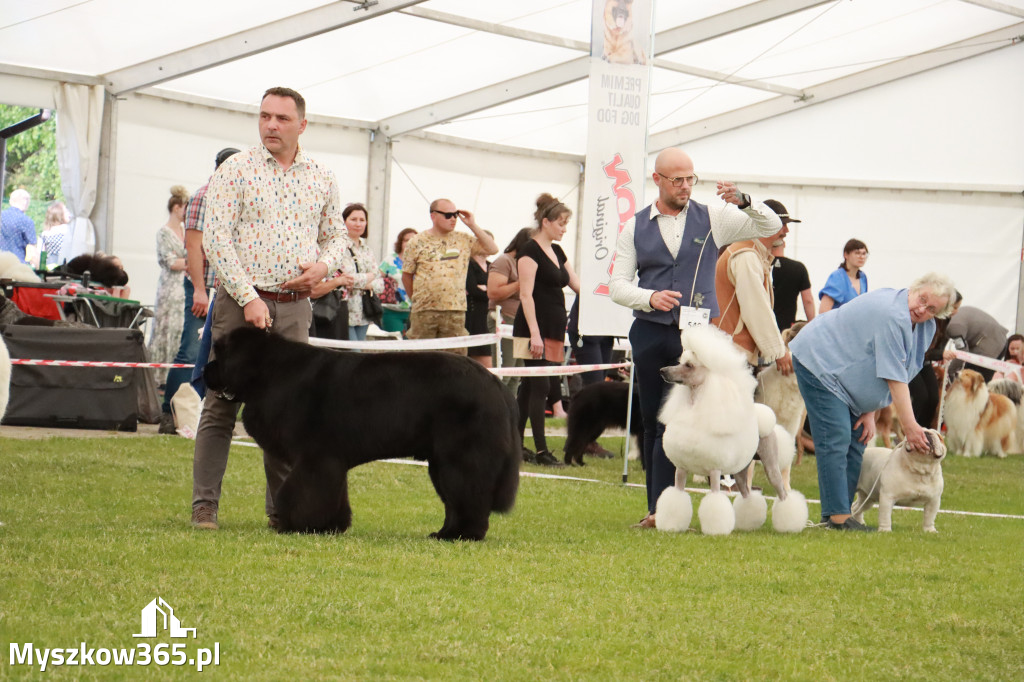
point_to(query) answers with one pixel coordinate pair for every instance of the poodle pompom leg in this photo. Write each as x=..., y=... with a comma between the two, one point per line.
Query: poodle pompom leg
x=674, y=510
x=751, y=511
x=790, y=515
x=681, y=478
x=715, y=480
x=743, y=479
x=716, y=514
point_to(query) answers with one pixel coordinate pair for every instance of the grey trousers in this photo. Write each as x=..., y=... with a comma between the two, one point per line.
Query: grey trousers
x=213, y=439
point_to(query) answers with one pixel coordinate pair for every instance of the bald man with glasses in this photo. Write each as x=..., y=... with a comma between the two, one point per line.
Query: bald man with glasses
x=434, y=266
x=672, y=245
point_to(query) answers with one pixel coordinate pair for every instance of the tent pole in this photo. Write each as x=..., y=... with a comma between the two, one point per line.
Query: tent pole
x=378, y=191
x=629, y=421
x=1019, y=322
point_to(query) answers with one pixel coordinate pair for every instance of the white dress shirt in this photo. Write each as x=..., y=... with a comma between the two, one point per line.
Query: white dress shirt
x=728, y=224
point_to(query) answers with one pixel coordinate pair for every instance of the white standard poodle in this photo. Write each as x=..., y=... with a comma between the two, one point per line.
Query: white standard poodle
x=713, y=427
x=14, y=269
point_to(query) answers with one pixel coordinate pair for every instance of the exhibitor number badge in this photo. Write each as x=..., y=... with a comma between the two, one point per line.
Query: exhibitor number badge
x=692, y=318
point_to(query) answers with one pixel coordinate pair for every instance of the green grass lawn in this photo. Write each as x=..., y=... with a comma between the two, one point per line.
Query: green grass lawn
x=562, y=588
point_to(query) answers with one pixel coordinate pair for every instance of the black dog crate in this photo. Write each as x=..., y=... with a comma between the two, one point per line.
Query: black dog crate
x=74, y=397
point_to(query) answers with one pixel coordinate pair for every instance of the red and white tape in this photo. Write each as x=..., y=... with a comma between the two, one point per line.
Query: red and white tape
x=988, y=363
x=411, y=344
x=98, y=363
x=389, y=345
x=553, y=370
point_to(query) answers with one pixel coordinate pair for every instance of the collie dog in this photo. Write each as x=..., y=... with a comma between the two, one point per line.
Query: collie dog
x=978, y=421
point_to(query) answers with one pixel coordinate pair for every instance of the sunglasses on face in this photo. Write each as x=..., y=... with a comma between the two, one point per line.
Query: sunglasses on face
x=447, y=214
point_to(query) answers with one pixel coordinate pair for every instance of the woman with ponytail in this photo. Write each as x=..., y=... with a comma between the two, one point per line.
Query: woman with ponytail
x=539, y=327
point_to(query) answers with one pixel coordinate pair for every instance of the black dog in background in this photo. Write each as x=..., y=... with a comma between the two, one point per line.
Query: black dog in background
x=595, y=408
x=325, y=412
x=106, y=270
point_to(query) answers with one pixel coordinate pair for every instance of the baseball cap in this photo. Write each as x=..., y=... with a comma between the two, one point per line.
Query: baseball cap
x=224, y=154
x=780, y=211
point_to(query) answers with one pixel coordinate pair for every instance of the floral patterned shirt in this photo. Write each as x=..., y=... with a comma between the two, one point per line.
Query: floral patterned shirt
x=439, y=264
x=262, y=221
x=392, y=267
x=359, y=262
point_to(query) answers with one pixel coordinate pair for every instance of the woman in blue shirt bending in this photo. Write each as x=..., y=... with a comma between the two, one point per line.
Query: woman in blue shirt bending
x=855, y=361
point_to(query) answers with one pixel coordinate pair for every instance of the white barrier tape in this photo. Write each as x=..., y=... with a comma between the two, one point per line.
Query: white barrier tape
x=98, y=363
x=553, y=370
x=411, y=344
x=988, y=363
x=698, y=491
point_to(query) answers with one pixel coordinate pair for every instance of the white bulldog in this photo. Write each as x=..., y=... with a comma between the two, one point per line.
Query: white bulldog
x=901, y=476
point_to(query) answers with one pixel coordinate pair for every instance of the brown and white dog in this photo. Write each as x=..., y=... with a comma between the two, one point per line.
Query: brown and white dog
x=781, y=393
x=901, y=476
x=978, y=421
x=1013, y=390
x=618, y=34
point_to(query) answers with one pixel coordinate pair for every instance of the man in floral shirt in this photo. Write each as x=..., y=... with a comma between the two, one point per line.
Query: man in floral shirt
x=434, y=273
x=272, y=229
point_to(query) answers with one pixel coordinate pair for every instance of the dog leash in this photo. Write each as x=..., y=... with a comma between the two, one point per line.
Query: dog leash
x=864, y=502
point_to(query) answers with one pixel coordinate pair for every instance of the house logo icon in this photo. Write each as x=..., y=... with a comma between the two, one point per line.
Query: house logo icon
x=158, y=610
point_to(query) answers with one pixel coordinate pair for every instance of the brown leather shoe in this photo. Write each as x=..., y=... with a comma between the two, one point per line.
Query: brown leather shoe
x=646, y=522
x=204, y=517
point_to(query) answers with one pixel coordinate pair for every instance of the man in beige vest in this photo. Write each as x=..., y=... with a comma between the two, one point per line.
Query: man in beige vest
x=744, y=289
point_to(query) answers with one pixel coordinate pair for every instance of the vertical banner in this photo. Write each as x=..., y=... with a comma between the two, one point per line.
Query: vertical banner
x=620, y=73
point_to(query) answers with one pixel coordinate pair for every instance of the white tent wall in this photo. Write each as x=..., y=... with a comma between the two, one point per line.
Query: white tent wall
x=501, y=189
x=907, y=167
x=161, y=143
x=909, y=233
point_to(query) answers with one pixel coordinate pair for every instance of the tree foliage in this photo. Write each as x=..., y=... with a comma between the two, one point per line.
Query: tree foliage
x=32, y=162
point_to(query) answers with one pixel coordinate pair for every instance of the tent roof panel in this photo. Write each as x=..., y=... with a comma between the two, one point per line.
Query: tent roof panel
x=345, y=73
x=400, y=61
x=105, y=35
x=849, y=36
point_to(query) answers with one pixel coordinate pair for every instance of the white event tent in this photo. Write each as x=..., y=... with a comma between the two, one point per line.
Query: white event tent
x=894, y=121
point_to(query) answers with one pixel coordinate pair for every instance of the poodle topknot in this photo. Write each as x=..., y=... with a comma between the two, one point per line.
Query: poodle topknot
x=720, y=358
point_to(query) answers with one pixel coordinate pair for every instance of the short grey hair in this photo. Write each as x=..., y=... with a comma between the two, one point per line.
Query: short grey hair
x=940, y=285
x=20, y=197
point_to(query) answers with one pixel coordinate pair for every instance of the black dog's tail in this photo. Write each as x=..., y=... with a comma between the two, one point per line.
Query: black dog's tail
x=507, y=484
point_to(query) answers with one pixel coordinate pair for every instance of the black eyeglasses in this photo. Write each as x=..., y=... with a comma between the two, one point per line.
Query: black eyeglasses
x=691, y=180
x=447, y=214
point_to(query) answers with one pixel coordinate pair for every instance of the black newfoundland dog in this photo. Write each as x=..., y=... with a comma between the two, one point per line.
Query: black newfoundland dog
x=325, y=412
x=598, y=407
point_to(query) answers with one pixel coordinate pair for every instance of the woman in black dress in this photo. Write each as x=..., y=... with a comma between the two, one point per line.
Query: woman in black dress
x=477, y=303
x=539, y=328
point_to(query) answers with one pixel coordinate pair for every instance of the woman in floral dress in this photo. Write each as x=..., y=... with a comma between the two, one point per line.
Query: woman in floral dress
x=170, y=292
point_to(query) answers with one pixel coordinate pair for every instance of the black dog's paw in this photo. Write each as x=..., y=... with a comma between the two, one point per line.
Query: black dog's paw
x=453, y=537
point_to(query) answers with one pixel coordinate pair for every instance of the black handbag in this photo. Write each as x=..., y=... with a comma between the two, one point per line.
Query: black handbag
x=330, y=307
x=372, y=308
x=330, y=316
